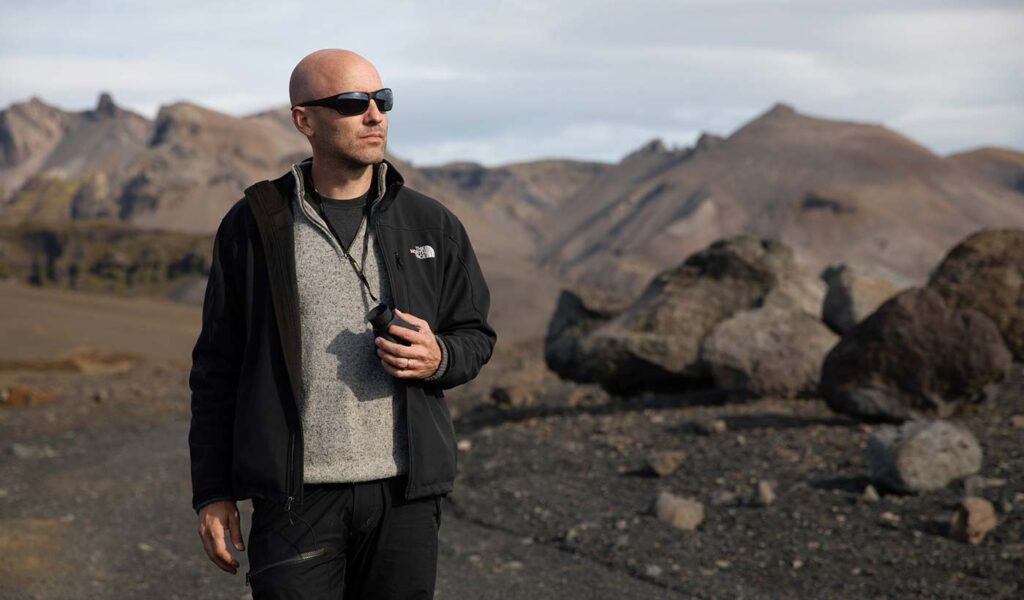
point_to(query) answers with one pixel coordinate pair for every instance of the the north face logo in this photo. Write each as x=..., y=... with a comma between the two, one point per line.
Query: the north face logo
x=422, y=251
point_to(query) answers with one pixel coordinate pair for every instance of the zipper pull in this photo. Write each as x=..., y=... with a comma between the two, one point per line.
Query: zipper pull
x=288, y=508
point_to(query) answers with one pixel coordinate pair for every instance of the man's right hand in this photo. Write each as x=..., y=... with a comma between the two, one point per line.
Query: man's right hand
x=214, y=519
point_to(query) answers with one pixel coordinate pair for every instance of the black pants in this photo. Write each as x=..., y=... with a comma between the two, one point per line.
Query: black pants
x=348, y=540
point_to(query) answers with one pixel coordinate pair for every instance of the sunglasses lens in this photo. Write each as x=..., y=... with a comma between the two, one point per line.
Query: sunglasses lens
x=352, y=106
x=385, y=100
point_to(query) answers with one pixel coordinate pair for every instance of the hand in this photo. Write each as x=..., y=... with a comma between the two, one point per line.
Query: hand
x=214, y=518
x=418, y=360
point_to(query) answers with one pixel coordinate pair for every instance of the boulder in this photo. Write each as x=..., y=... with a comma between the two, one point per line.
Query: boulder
x=921, y=456
x=768, y=351
x=852, y=296
x=577, y=312
x=914, y=358
x=656, y=340
x=985, y=272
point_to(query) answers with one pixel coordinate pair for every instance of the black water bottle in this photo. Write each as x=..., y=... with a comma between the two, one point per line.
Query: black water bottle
x=380, y=317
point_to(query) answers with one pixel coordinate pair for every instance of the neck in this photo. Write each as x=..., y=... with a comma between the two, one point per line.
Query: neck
x=339, y=179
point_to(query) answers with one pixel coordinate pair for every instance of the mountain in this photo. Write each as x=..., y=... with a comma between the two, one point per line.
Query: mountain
x=1002, y=165
x=835, y=191
x=178, y=172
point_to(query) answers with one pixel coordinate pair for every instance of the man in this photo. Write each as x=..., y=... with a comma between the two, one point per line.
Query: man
x=341, y=437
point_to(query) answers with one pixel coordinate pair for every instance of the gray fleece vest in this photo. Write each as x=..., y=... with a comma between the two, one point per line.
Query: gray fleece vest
x=353, y=424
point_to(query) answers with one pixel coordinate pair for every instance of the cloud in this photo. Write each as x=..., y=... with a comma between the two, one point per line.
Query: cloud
x=519, y=80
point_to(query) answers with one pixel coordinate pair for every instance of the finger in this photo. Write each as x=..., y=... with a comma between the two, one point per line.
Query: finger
x=393, y=371
x=221, y=555
x=398, y=362
x=411, y=372
x=411, y=318
x=406, y=334
x=204, y=535
x=236, y=530
x=393, y=348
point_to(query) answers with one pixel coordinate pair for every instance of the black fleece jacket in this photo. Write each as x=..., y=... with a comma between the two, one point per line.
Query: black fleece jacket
x=245, y=438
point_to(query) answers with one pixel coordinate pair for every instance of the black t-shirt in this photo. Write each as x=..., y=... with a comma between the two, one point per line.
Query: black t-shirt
x=343, y=215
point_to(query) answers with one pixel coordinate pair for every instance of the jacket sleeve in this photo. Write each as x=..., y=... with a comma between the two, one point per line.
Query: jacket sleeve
x=216, y=363
x=462, y=317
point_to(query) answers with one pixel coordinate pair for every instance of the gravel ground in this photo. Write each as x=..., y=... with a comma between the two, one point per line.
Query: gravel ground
x=552, y=501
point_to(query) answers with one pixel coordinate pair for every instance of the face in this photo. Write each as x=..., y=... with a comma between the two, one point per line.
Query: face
x=358, y=140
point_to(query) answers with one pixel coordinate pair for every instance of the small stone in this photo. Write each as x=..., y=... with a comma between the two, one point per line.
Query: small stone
x=29, y=451
x=652, y=570
x=145, y=547
x=665, y=462
x=973, y=520
x=516, y=395
x=870, y=495
x=723, y=498
x=765, y=493
x=684, y=513
x=622, y=540
x=710, y=426
x=1017, y=421
x=889, y=518
x=465, y=444
x=722, y=563
x=621, y=524
x=797, y=563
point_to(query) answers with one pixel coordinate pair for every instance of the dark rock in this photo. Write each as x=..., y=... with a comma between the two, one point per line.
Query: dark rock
x=985, y=272
x=914, y=358
x=852, y=296
x=656, y=341
x=577, y=313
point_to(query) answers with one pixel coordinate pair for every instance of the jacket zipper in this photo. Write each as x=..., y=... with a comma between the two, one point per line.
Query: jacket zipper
x=394, y=293
x=301, y=557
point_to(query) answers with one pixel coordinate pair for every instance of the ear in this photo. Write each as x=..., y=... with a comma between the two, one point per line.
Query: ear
x=301, y=121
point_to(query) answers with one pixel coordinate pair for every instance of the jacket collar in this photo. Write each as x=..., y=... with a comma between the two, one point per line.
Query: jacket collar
x=389, y=180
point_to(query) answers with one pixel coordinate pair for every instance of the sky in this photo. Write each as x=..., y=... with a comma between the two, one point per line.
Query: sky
x=500, y=82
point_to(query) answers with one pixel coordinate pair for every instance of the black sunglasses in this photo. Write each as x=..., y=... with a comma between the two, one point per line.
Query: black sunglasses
x=356, y=103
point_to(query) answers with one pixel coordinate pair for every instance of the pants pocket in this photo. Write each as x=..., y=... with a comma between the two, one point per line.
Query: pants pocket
x=308, y=555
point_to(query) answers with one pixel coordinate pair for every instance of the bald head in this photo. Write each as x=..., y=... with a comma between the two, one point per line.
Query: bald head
x=331, y=71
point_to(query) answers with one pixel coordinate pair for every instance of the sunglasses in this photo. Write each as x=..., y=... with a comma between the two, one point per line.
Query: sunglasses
x=356, y=103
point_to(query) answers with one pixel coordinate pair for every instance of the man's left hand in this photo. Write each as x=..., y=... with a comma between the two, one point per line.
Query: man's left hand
x=418, y=360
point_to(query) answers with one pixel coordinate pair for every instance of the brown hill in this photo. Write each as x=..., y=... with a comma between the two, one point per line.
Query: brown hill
x=833, y=190
x=181, y=172
x=1002, y=165
x=529, y=193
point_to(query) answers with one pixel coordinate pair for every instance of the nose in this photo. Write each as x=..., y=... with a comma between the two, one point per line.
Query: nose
x=372, y=114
